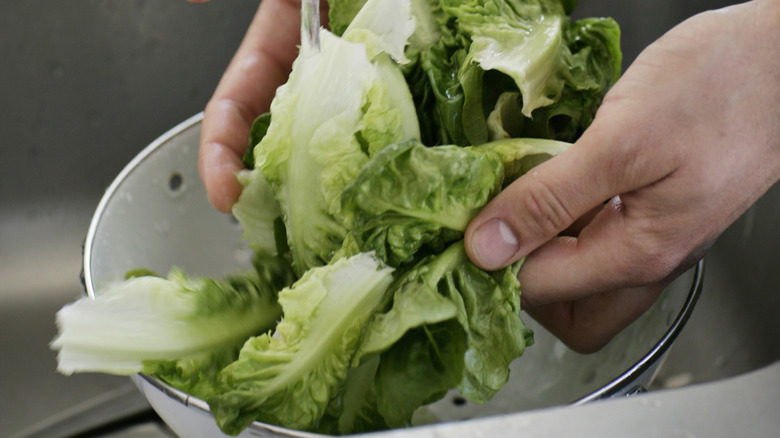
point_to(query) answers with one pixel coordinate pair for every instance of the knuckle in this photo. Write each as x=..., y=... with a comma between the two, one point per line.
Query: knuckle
x=657, y=259
x=544, y=212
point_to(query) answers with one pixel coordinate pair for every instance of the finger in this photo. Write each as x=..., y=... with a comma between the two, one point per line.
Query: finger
x=611, y=252
x=261, y=64
x=588, y=324
x=581, y=222
x=631, y=241
x=536, y=207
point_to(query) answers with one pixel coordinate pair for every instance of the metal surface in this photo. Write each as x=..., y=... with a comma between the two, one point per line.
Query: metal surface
x=745, y=406
x=84, y=86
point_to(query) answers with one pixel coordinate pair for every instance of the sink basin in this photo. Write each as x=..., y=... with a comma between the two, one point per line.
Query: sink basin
x=95, y=83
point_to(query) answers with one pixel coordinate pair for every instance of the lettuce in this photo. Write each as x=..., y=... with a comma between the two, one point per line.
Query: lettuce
x=409, y=195
x=559, y=70
x=180, y=320
x=384, y=143
x=447, y=324
x=290, y=376
x=259, y=224
x=523, y=39
x=325, y=121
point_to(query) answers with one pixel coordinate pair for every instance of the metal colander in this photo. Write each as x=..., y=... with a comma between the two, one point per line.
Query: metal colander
x=156, y=215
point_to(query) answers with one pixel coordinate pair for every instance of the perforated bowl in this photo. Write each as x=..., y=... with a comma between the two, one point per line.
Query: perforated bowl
x=156, y=215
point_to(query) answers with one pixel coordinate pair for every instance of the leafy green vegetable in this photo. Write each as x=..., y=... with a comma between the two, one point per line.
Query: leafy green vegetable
x=290, y=376
x=409, y=195
x=519, y=155
x=375, y=155
x=560, y=70
x=523, y=39
x=353, y=409
x=485, y=305
x=384, y=27
x=256, y=133
x=449, y=324
x=489, y=312
x=419, y=370
x=259, y=223
x=341, y=13
x=178, y=318
x=416, y=301
x=325, y=121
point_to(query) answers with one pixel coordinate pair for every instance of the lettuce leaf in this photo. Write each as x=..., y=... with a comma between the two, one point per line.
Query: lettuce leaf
x=258, y=212
x=179, y=318
x=449, y=325
x=409, y=195
x=520, y=155
x=521, y=38
x=290, y=376
x=324, y=122
x=560, y=69
x=419, y=369
x=489, y=313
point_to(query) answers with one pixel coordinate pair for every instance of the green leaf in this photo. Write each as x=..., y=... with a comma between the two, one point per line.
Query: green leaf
x=149, y=318
x=418, y=370
x=489, y=312
x=316, y=142
x=258, y=131
x=416, y=301
x=354, y=409
x=384, y=27
x=409, y=195
x=438, y=291
x=290, y=376
x=258, y=211
x=341, y=13
x=520, y=155
x=523, y=39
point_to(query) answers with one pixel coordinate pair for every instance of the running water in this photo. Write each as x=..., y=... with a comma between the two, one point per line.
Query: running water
x=310, y=22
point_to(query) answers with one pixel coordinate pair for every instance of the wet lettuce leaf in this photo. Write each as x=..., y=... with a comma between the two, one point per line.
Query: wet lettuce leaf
x=325, y=121
x=288, y=377
x=447, y=325
x=559, y=68
x=180, y=326
x=410, y=195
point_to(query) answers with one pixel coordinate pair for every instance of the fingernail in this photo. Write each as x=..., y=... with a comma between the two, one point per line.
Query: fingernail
x=495, y=244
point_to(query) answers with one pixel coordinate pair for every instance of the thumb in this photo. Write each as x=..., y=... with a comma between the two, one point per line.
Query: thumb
x=547, y=200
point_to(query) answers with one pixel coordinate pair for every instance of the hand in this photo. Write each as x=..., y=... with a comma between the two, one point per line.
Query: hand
x=683, y=144
x=261, y=64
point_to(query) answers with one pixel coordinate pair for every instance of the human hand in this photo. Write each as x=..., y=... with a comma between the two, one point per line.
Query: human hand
x=682, y=145
x=261, y=64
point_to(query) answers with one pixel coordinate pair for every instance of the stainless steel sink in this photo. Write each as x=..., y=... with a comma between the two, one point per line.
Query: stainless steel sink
x=84, y=87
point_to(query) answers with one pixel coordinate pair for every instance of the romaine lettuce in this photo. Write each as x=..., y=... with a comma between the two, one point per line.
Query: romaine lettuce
x=560, y=69
x=290, y=376
x=383, y=144
x=325, y=121
x=133, y=324
x=409, y=195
